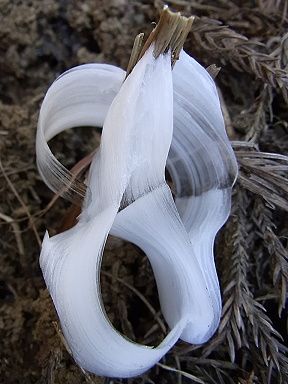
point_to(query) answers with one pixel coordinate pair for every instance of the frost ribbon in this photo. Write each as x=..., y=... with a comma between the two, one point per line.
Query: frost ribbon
x=155, y=118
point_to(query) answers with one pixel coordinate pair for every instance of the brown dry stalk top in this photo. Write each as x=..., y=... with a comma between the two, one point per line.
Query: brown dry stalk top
x=170, y=33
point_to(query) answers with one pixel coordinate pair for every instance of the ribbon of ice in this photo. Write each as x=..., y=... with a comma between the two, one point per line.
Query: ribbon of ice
x=154, y=114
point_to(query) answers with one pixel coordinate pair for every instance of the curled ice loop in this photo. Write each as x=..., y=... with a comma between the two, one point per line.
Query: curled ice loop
x=155, y=118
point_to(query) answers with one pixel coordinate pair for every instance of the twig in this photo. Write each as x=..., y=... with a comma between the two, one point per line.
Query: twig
x=22, y=204
x=145, y=301
x=183, y=373
x=17, y=234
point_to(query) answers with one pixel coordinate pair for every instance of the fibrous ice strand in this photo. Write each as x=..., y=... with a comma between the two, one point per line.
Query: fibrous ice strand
x=153, y=118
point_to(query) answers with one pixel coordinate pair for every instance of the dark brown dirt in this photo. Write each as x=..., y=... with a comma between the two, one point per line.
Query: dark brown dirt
x=38, y=41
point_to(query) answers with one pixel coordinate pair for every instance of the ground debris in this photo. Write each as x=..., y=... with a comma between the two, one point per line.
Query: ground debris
x=248, y=40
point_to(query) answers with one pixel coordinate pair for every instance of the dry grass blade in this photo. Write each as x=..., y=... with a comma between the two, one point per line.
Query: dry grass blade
x=266, y=175
x=183, y=373
x=258, y=109
x=141, y=297
x=278, y=266
x=17, y=234
x=244, y=322
x=26, y=209
x=224, y=43
x=77, y=170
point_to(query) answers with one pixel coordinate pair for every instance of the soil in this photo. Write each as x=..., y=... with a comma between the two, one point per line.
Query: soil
x=38, y=41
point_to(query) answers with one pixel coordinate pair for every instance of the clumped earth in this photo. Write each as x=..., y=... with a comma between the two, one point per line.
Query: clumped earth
x=248, y=40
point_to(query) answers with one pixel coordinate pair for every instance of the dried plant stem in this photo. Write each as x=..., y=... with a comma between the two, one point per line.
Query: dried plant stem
x=17, y=234
x=136, y=50
x=213, y=70
x=13, y=189
x=263, y=219
x=263, y=174
x=141, y=297
x=227, y=119
x=183, y=373
x=76, y=171
x=169, y=34
x=245, y=323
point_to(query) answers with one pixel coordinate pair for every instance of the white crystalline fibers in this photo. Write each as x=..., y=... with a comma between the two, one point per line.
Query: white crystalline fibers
x=156, y=118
